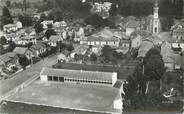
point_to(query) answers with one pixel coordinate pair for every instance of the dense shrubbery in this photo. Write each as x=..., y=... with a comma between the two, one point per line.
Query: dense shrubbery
x=97, y=21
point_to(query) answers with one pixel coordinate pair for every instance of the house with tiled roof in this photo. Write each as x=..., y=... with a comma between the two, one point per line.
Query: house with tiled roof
x=136, y=41
x=60, y=24
x=53, y=40
x=21, y=32
x=2, y=33
x=137, y=38
x=12, y=37
x=177, y=34
x=10, y=28
x=47, y=22
x=99, y=40
x=23, y=51
x=20, y=50
x=179, y=61
x=167, y=55
x=38, y=49
x=9, y=60
x=144, y=48
x=26, y=40
x=61, y=57
x=105, y=37
x=132, y=26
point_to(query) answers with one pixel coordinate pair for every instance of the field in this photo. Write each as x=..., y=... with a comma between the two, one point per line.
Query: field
x=62, y=95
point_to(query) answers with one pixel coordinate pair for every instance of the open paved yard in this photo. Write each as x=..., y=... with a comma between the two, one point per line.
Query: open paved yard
x=72, y=96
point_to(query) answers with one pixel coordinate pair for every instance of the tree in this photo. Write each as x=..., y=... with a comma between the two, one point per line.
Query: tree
x=49, y=26
x=154, y=98
x=166, y=23
x=70, y=48
x=3, y=40
x=6, y=17
x=154, y=68
x=109, y=54
x=49, y=33
x=58, y=15
x=26, y=20
x=96, y=21
x=78, y=57
x=134, y=53
x=154, y=65
x=8, y=3
x=113, y=9
x=152, y=51
x=93, y=57
x=2, y=50
x=23, y=61
x=43, y=17
x=11, y=46
x=173, y=80
x=51, y=16
x=38, y=27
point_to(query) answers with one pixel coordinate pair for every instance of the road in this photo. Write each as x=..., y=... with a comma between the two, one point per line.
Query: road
x=19, y=78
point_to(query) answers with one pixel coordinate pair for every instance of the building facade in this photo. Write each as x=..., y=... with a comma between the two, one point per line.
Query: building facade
x=78, y=76
x=178, y=34
x=10, y=28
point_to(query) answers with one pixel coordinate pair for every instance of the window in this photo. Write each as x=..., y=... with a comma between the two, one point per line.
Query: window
x=61, y=79
x=100, y=82
x=49, y=78
x=155, y=29
x=55, y=78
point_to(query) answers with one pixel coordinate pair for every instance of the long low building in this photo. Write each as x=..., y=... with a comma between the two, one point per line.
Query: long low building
x=79, y=76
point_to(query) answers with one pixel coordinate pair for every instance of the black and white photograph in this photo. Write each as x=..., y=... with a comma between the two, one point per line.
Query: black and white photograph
x=91, y=56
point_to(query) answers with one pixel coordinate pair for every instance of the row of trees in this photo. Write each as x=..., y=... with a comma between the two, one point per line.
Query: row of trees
x=140, y=90
x=97, y=21
x=6, y=17
x=69, y=8
x=26, y=20
x=168, y=8
x=145, y=88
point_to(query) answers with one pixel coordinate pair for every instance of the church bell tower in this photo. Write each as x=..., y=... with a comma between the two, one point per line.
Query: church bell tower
x=156, y=20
